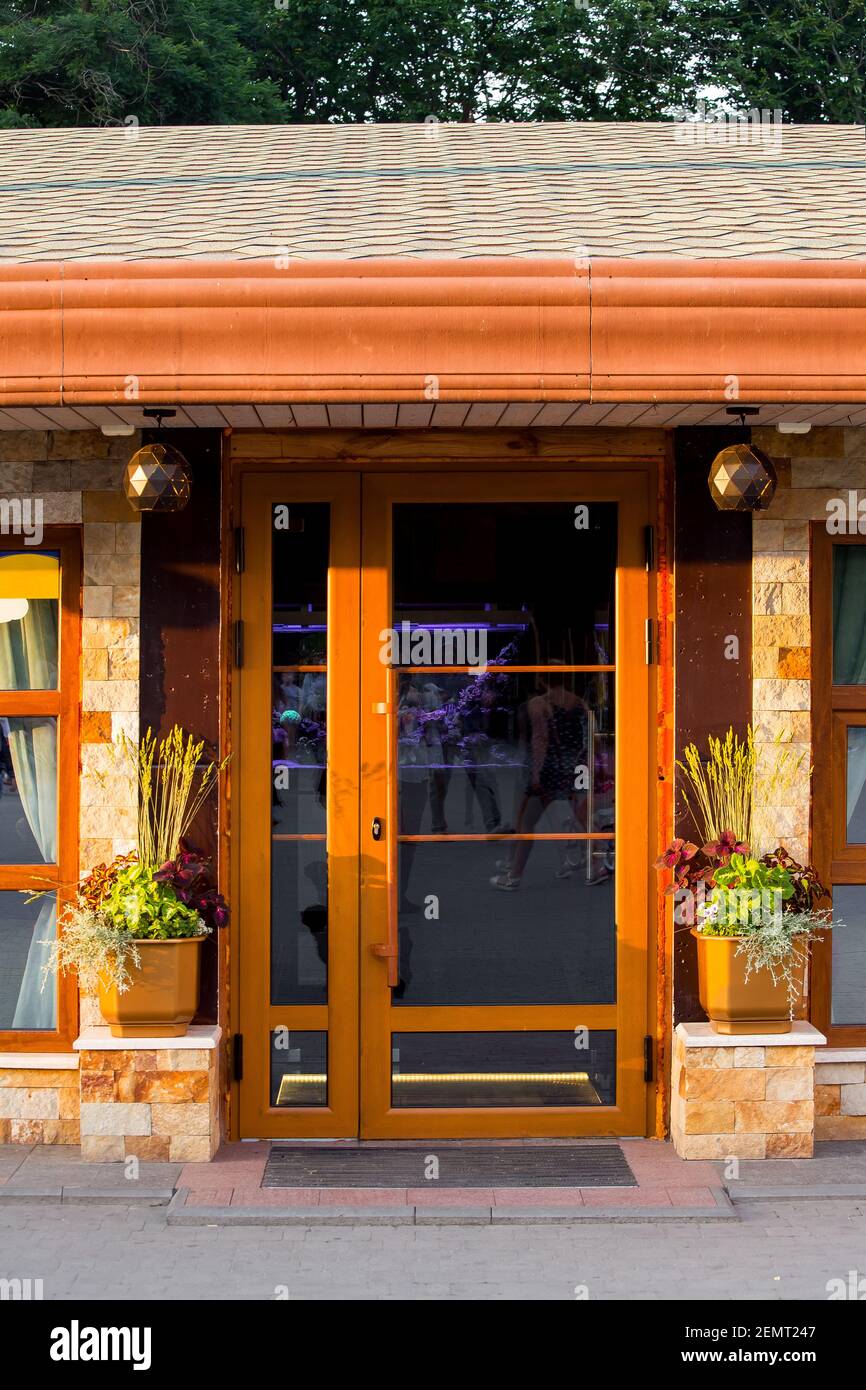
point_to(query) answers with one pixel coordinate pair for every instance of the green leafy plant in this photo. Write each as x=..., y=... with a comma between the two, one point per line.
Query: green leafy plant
x=116, y=907
x=808, y=888
x=149, y=908
x=768, y=906
x=746, y=893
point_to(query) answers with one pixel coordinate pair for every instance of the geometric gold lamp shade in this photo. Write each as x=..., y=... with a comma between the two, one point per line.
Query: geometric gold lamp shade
x=157, y=479
x=742, y=479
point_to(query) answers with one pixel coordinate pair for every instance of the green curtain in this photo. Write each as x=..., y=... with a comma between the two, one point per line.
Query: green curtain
x=28, y=661
x=849, y=615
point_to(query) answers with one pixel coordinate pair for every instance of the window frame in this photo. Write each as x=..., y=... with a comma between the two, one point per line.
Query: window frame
x=65, y=704
x=834, y=709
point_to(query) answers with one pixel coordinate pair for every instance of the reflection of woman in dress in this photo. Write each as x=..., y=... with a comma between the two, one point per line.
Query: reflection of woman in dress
x=557, y=747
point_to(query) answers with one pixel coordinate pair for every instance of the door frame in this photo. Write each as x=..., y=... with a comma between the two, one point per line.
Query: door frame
x=480, y=450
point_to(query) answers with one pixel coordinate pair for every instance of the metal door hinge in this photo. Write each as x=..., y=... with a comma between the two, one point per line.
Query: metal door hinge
x=648, y=1058
x=650, y=641
x=649, y=544
x=237, y=1057
x=240, y=550
x=239, y=641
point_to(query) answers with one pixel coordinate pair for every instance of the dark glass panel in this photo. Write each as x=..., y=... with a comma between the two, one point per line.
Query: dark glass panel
x=299, y=753
x=849, y=955
x=494, y=1069
x=849, y=615
x=856, y=786
x=299, y=922
x=301, y=546
x=528, y=584
x=496, y=752
x=467, y=939
x=299, y=1068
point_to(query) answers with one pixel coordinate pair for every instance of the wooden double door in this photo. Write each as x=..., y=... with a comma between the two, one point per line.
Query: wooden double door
x=441, y=723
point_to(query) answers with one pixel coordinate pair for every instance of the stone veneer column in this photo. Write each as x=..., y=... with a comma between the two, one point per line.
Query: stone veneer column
x=814, y=469
x=746, y=1096
x=149, y=1098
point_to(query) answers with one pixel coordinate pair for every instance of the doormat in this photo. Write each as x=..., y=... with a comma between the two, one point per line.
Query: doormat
x=556, y=1165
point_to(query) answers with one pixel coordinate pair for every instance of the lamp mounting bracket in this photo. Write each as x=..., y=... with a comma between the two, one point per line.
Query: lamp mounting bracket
x=159, y=416
x=741, y=411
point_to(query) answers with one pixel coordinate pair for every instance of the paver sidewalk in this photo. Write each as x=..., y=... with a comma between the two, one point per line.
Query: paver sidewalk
x=229, y=1188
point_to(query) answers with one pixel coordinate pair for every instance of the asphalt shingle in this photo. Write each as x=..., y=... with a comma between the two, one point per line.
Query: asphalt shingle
x=323, y=192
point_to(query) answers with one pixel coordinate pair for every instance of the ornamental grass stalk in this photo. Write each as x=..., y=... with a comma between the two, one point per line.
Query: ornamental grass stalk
x=173, y=784
x=719, y=791
x=727, y=792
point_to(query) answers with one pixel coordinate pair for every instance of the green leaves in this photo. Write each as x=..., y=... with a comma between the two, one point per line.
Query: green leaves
x=748, y=895
x=149, y=909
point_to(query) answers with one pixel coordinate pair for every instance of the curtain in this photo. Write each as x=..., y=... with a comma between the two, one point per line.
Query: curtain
x=849, y=653
x=856, y=775
x=849, y=615
x=28, y=661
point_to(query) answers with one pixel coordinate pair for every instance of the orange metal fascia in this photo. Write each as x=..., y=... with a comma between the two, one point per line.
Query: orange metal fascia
x=695, y=331
x=410, y=330
x=348, y=330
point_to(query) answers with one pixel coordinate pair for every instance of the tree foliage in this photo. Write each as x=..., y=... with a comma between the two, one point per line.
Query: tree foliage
x=98, y=62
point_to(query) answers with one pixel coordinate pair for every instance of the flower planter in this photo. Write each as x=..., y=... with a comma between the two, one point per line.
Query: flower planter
x=163, y=997
x=735, y=1005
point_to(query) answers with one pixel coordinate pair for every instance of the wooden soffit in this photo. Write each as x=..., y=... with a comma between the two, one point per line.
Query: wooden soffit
x=416, y=330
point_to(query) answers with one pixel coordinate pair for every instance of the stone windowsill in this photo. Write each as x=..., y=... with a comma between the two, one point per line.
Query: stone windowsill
x=200, y=1035
x=38, y=1061
x=701, y=1035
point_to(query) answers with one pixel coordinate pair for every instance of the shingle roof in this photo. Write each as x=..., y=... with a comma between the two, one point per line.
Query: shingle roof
x=239, y=192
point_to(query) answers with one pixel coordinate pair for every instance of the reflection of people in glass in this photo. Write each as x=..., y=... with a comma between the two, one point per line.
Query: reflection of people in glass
x=7, y=772
x=557, y=733
x=298, y=724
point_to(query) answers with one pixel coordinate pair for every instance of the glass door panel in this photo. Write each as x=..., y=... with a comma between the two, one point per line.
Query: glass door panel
x=501, y=633
x=298, y=861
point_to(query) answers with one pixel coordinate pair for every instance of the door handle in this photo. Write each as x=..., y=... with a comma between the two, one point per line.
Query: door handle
x=387, y=950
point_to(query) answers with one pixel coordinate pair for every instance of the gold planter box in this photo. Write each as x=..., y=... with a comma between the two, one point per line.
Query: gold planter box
x=163, y=997
x=734, y=1004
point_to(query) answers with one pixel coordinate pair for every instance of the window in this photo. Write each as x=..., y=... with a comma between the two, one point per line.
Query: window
x=839, y=780
x=39, y=708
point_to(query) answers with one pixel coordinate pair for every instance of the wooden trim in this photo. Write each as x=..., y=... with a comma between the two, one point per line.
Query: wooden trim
x=834, y=709
x=243, y=460
x=30, y=702
x=464, y=450
x=660, y=961
x=227, y=858
x=65, y=704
